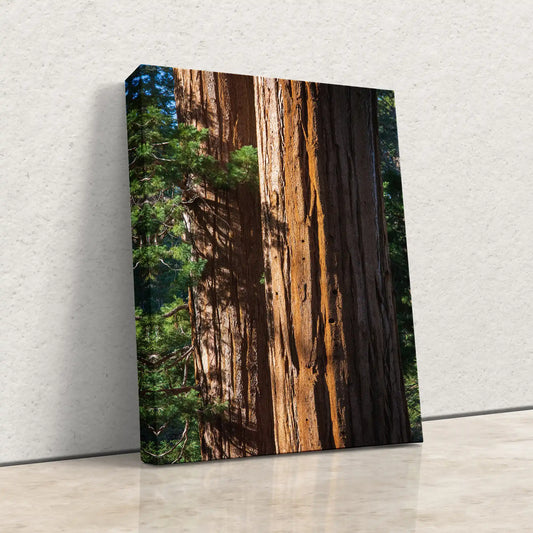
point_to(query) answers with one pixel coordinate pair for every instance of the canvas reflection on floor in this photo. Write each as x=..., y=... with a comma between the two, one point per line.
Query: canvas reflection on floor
x=272, y=301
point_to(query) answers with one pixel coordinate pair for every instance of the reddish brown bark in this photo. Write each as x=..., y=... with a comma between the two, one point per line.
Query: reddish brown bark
x=334, y=351
x=228, y=308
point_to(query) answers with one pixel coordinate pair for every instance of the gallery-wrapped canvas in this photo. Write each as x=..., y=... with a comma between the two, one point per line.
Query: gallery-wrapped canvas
x=272, y=300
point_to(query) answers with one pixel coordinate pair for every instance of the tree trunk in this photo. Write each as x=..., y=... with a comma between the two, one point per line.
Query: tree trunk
x=334, y=349
x=228, y=305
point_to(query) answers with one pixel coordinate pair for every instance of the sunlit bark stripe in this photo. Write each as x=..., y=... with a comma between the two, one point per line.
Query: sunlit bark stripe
x=334, y=351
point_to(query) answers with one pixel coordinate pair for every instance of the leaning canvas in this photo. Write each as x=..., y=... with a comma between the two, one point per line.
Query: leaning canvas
x=272, y=299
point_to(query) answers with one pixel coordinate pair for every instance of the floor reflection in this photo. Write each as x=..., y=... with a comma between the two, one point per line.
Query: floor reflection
x=471, y=474
x=339, y=490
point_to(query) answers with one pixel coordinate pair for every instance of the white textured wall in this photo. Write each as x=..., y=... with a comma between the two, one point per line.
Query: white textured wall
x=463, y=80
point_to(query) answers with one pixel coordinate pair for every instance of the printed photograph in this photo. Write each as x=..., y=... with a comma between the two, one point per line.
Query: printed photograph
x=272, y=297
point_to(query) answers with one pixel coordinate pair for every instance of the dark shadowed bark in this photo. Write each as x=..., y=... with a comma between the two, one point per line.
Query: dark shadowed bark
x=334, y=351
x=228, y=310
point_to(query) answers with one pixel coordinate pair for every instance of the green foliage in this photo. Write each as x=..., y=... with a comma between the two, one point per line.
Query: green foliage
x=243, y=167
x=413, y=405
x=394, y=214
x=161, y=156
x=165, y=160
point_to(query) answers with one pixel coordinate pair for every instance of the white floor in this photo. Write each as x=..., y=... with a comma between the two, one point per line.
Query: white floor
x=472, y=474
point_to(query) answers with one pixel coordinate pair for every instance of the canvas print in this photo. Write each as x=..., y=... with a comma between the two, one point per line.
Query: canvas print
x=272, y=301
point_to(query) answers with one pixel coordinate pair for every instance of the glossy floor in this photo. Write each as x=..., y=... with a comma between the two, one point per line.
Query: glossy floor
x=471, y=474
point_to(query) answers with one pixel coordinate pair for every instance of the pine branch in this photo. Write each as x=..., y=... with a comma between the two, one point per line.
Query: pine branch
x=176, y=309
x=183, y=437
x=156, y=359
x=178, y=390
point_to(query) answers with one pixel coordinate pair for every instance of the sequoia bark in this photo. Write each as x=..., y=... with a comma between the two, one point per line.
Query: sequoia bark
x=334, y=349
x=228, y=311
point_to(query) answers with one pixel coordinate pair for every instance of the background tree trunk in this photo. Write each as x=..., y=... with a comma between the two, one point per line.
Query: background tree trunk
x=334, y=351
x=228, y=310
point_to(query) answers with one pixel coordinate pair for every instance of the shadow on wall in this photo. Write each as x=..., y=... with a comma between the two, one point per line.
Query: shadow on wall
x=102, y=409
